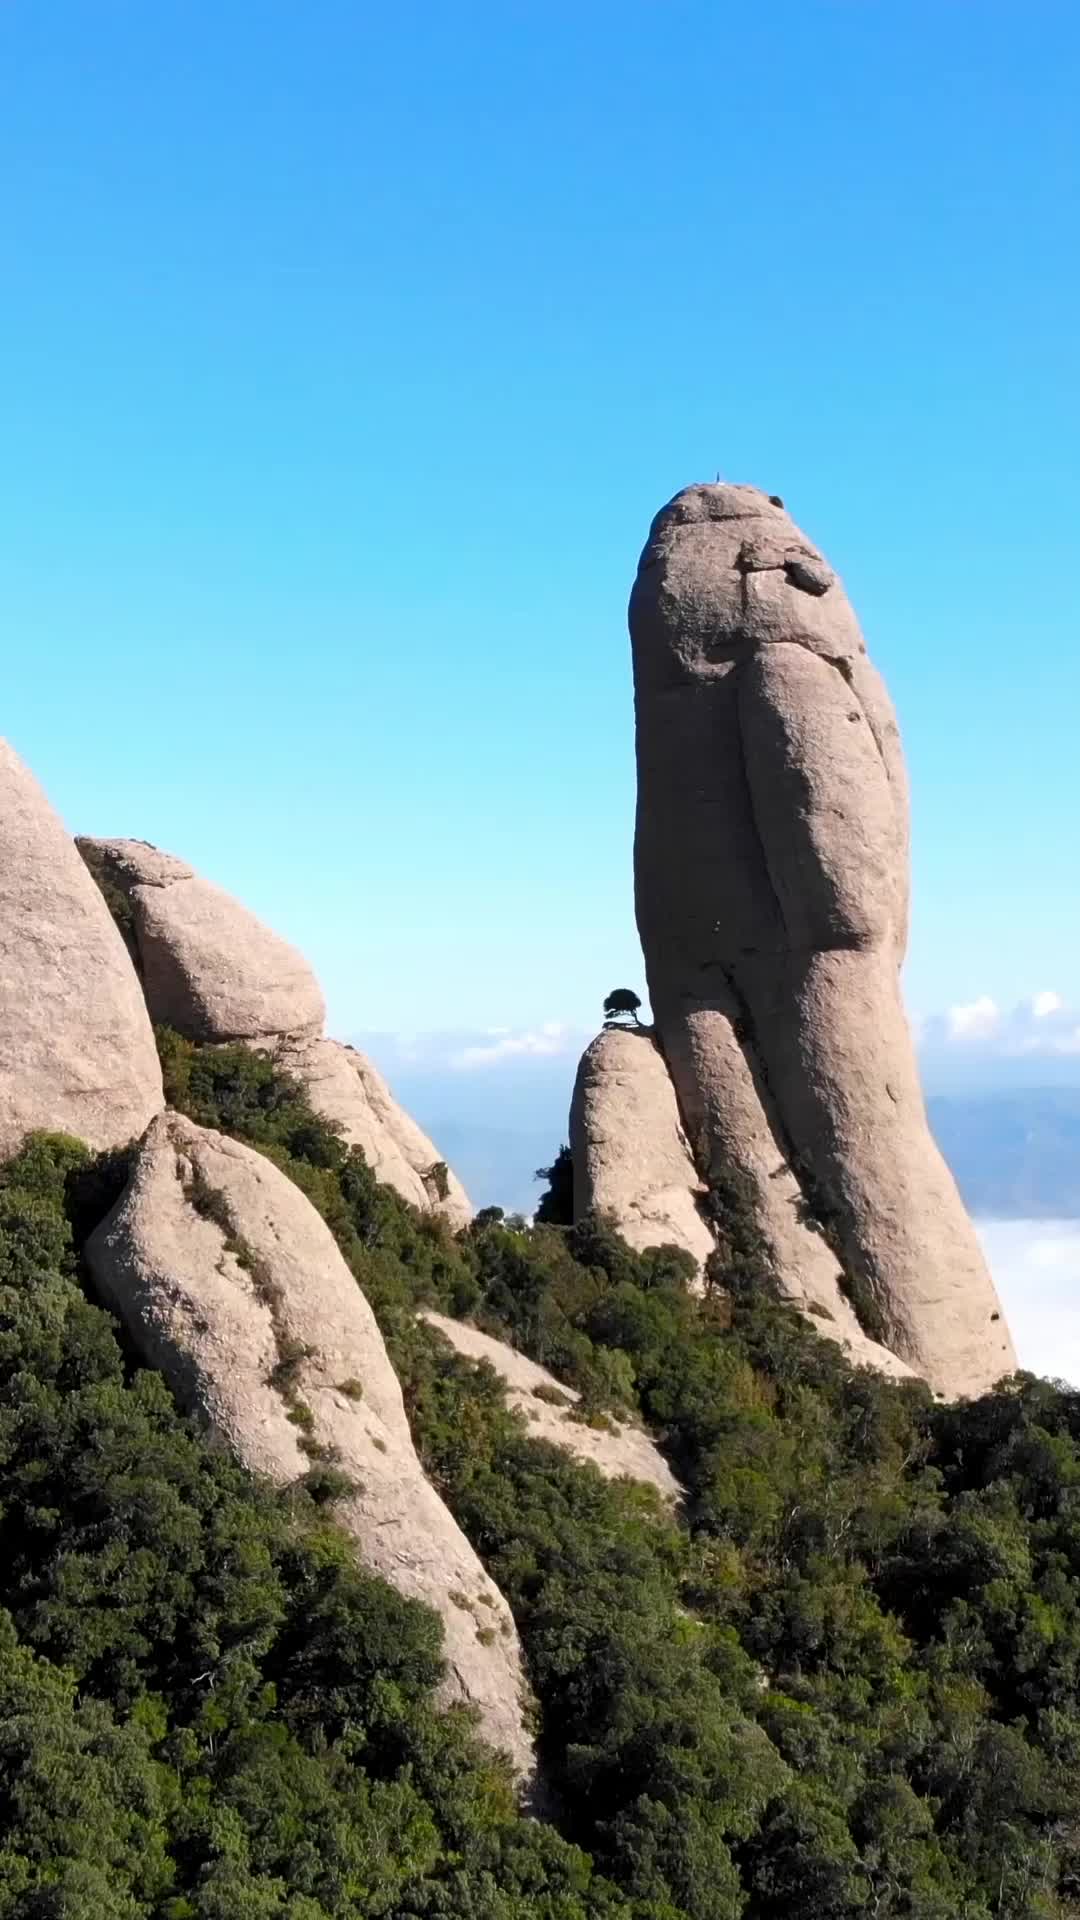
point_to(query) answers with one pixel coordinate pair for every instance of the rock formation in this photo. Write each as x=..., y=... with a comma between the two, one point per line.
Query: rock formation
x=215, y=973
x=344, y=1086
x=209, y=968
x=632, y=1162
x=771, y=870
x=76, y=1050
x=231, y=1284
x=619, y=1450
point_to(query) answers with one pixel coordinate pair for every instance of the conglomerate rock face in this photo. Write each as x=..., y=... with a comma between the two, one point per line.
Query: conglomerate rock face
x=215, y=973
x=232, y=1285
x=771, y=874
x=632, y=1163
x=77, y=1052
x=209, y=968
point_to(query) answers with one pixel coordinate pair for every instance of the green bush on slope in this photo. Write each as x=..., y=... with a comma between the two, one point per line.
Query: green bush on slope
x=844, y=1682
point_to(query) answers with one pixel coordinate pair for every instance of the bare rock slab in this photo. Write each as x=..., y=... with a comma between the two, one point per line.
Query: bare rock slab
x=76, y=1049
x=232, y=1286
x=620, y=1451
x=209, y=968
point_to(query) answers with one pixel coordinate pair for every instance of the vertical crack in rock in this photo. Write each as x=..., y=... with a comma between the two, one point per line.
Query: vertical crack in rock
x=752, y=813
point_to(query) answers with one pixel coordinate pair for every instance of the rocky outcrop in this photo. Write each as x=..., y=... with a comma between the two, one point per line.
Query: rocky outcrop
x=771, y=869
x=633, y=1164
x=212, y=971
x=632, y=1161
x=230, y=1283
x=344, y=1087
x=76, y=1050
x=209, y=968
x=619, y=1450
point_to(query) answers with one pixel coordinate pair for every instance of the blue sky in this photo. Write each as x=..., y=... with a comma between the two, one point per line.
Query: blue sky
x=346, y=353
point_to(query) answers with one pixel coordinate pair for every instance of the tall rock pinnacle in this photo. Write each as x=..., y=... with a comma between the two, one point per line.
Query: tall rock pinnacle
x=771, y=872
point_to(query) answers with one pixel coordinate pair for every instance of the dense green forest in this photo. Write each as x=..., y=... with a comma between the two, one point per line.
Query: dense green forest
x=841, y=1681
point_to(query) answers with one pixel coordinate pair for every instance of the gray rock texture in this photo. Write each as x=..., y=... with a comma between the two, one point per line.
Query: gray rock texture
x=771, y=870
x=618, y=1450
x=76, y=1050
x=209, y=967
x=633, y=1164
x=212, y=971
x=231, y=1284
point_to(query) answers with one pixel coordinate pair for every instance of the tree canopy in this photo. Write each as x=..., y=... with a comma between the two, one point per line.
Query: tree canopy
x=622, y=1002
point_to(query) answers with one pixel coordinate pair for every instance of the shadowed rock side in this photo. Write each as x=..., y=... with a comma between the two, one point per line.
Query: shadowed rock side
x=231, y=1284
x=771, y=869
x=618, y=1450
x=633, y=1164
x=212, y=971
x=76, y=1050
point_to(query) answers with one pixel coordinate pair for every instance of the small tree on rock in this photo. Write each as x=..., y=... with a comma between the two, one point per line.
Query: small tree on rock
x=556, y=1207
x=621, y=1001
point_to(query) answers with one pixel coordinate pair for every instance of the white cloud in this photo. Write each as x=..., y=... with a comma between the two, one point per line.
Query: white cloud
x=1044, y=1004
x=1036, y=1265
x=1042, y=1025
x=459, y=1049
x=503, y=1043
x=980, y=1017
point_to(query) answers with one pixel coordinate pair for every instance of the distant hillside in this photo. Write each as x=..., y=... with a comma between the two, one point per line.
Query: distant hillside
x=1016, y=1155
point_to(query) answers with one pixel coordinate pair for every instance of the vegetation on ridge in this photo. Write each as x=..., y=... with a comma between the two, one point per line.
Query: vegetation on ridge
x=843, y=1682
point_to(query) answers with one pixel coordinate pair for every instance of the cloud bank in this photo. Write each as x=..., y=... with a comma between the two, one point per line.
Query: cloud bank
x=545, y=1042
x=1044, y=1025
x=476, y=1051
x=978, y=1033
